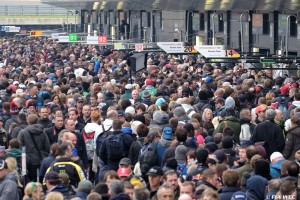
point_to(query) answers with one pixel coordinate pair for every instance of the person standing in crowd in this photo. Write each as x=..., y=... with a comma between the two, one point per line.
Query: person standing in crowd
x=36, y=143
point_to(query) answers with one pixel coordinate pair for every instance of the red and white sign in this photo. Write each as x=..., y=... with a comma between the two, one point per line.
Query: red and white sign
x=139, y=47
x=96, y=39
x=102, y=39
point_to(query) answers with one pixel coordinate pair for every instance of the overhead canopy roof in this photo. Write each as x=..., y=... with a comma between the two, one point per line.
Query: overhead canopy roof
x=267, y=5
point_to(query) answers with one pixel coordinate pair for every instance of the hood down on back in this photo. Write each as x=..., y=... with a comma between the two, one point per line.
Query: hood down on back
x=35, y=129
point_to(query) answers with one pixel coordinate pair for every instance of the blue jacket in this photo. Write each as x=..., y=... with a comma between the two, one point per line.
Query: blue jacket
x=97, y=66
x=275, y=169
x=227, y=192
x=46, y=163
x=160, y=152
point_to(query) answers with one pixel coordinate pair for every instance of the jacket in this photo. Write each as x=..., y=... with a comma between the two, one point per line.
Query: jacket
x=273, y=138
x=121, y=196
x=46, y=163
x=17, y=129
x=45, y=123
x=135, y=149
x=52, y=134
x=114, y=164
x=42, y=142
x=231, y=122
x=66, y=165
x=227, y=192
x=9, y=187
x=291, y=142
x=161, y=148
x=275, y=169
x=126, y=95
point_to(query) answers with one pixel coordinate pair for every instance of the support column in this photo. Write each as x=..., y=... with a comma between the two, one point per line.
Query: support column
x=189, y=26
x=250, y=32
x=208, y=31
x=227, y=27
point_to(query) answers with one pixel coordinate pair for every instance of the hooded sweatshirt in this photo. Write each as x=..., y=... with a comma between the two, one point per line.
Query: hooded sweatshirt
x=256, y=186
x=9, y=187
x=161, y=148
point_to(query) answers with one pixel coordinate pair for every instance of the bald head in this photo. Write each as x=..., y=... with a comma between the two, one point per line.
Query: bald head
x=185, y=197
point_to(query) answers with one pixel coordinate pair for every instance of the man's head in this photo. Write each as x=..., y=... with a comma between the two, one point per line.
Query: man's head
x=188, y=188
x=86, y=111
x=32, y=119
x=155, y=176
x=44, y=113
x=171, y=177
x=65, y=149
x=85, y=186
x=165, y=192
x=73, y=114
x=59, y=121
x=270, y=114
x=275, y=157
x=70, y=125
x=242, y=153
x=231, y=178
x=117, y=125
x=210, y=176
x=52, y=179
x=115, y=187
x=278, y=115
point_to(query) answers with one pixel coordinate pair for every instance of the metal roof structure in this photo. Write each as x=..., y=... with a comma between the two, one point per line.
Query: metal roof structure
x=264, y=5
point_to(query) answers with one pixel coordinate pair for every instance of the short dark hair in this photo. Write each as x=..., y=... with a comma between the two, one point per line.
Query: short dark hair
x=117, y=125
x=63, y=148
x=293, y=169
x=14, y=143
x=181, y=134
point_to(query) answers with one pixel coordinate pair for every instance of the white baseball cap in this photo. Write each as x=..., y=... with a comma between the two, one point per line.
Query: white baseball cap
x=275, y=155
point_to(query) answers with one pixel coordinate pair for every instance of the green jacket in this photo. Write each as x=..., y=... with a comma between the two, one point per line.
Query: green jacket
x=126, y=95
x=231, y=122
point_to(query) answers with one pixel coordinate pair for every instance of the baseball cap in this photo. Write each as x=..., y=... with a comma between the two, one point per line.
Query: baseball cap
x=275, y=155
x=52, y=176
x=80, y=99
x=123, y=171
x=168, y=133
x=128, y=86
x=125, y=161
x=260, y=108
x=155, y=171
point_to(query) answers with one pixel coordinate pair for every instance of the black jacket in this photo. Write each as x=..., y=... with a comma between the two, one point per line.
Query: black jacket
x=270, y=133
x=45, y=123
x=291, y=142
x=18, y=128
x=42, y=142
x=52, y=134
x=135, y=149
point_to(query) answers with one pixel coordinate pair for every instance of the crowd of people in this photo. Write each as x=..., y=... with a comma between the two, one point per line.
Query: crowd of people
x=75, y=125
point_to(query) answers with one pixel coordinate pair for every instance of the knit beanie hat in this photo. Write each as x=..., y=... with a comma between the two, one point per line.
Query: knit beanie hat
x=180, y=153
x=161, y=117
x=13, y=109
x=179, y=111
x=160, y=101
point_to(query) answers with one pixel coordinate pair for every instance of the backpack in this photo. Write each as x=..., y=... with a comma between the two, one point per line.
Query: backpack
x=101, y=138
x=283, y=105
x=115, y=147
x=245, y=133
x=148, y=158
x=89, y=144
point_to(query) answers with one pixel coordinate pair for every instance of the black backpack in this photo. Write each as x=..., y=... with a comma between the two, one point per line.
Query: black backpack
x=115, y=146
x=148, y=158
x=101, y=138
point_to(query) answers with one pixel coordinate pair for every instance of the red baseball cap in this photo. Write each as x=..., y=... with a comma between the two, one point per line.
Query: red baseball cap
x=149, y=82
x=123, y=172
x=260, y=108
